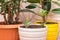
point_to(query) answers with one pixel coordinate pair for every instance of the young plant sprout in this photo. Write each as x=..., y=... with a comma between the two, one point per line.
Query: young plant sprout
x=43, y=13
x=26, y=22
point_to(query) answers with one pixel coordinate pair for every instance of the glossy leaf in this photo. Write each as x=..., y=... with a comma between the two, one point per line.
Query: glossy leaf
x=56, y=3
x=2, y=1
x=57, y=10
x=31, y=6
x=27, y=10
x=43, y=12
x=33, y=1
x=46, y=5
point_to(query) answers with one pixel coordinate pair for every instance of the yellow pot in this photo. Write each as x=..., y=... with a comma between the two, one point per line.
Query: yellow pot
x=52, y=31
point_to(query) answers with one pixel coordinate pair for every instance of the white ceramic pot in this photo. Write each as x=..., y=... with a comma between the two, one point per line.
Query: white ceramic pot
x=32, y=33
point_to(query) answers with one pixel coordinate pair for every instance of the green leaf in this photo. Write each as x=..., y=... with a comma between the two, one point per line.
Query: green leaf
x=46, y=5
x=26, y=22
x=6, y=0
x=43, y=12
x=2, y=1
x=56, y=3
x=31, y=6
x=27, y=10
x=33, y=1
x=57, y=10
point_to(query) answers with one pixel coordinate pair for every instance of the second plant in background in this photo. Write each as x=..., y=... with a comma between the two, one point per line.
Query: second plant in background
x=9, y=27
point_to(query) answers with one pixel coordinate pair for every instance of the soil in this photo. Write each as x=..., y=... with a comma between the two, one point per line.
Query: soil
x=48, y=22
x=3, y=23
x=34, y=26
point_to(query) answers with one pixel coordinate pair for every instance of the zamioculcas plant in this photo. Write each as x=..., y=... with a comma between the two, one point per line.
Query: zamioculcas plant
x=9, y=8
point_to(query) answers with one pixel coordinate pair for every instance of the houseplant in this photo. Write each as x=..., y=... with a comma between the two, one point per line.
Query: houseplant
x=29, y=31
x=52, y=26
x=57, y=18
x=9, y=28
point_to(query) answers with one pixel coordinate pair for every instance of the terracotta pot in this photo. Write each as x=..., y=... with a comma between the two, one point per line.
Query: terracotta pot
x=9, y=32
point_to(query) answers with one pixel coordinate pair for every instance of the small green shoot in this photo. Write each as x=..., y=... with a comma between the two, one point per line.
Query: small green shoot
x=26, y=22
x=43, y=12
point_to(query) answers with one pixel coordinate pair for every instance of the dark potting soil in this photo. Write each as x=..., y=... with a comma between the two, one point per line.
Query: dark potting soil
x=34, y=26
x=51, y=23
x=3, y=23
x=47, y=22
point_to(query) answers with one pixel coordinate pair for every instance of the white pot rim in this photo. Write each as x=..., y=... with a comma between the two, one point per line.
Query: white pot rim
x=31, y=28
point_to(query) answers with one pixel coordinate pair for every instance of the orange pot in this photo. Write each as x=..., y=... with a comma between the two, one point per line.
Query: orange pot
x=9, y=32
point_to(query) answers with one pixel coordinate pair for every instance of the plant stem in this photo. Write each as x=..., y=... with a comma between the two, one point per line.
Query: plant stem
x=10, y=16
x=5, y=19
x=42, y=2
x=17, y=14
x=44, y=20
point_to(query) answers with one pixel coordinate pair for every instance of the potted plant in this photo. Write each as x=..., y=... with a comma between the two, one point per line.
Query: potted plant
x=57, y=17
x=9, y=28
x=29, y=31
x=44, y=11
